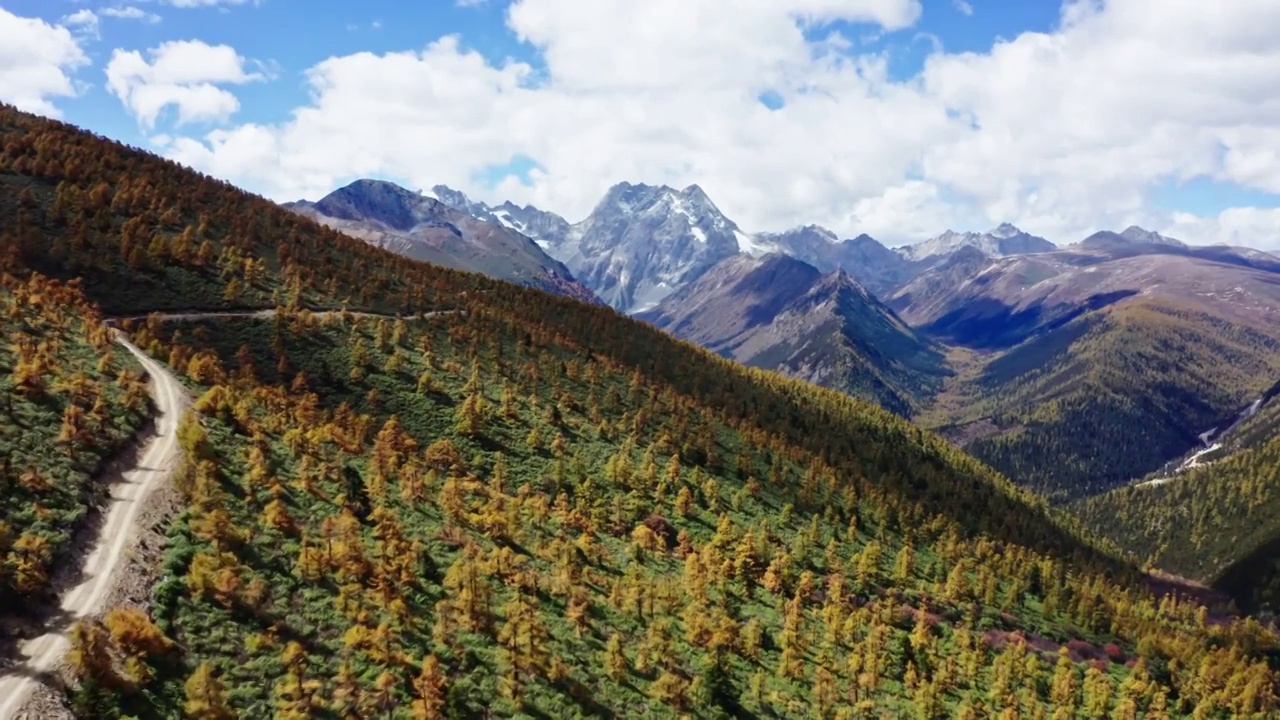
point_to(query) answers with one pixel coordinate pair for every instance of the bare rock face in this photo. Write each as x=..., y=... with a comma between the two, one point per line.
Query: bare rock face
x=425, y=228
x=641, y=243
x=872, y=264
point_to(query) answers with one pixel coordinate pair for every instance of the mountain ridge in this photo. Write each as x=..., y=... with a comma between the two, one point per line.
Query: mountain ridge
x=778, y=312
x=425, y=228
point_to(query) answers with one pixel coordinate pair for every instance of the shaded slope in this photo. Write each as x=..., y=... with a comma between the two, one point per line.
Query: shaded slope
x=776, y=312
x=1114, y=394
x=1219, y=523
x=423, y=228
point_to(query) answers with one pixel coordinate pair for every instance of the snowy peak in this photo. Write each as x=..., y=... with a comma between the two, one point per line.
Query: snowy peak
x=546, y=228
x=1006, y=230
x=445, y=228
x=1004, y=240
x=643, y=242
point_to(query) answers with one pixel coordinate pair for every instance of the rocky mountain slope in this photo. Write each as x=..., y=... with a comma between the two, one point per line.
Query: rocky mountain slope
x=642, y=243
x=1008, y=299
x=875, y=266
x=1002, y=241
x=424, y=228
x=639, y=244
x=779, y=313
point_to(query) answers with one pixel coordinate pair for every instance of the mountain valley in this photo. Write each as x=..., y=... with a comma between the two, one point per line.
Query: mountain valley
x=407, y=489
x=1034, y=357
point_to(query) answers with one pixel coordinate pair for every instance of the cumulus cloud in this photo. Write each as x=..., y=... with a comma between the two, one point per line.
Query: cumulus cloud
x=84, y=22
x=1244, y=226
x=37, y=61
x=1061, y=132
x=184, y=74
x=129, y=12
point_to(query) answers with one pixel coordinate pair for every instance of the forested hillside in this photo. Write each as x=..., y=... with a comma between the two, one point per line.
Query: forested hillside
x=1111, y=396
x=508, y=503
x=1219, y=523
x=70, y=403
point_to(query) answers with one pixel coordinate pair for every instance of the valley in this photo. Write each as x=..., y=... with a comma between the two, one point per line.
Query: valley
x=409, y=490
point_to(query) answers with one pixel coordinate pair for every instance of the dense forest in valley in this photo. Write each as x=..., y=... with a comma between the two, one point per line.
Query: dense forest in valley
x=1218, y=523
x=496, y=501
x=1111, y=396
x=70, y=402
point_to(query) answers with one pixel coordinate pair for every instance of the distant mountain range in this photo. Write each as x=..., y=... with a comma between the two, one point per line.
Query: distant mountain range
x=1072, y=369
x=778, y=312
x=1004, y=240
x=425, y=228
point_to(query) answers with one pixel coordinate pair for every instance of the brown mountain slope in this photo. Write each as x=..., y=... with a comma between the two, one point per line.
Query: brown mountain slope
x=777, y=312
x=423, y=228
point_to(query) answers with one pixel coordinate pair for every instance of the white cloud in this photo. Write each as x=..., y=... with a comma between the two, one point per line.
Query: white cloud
x=36, y=63
x=209, y=3
x=1061, y=132
x=962, y=7
x=1247, y=226
x=84, y=22
x=184, y=74
x=129, y=12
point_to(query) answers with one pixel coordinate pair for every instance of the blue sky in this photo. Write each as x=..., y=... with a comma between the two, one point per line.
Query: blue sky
x=905, y=174
x=279, y=33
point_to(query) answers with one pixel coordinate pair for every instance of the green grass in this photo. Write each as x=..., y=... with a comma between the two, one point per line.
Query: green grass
x=56, y=365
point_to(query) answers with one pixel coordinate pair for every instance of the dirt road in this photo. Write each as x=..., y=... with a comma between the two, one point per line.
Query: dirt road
x=159, y=457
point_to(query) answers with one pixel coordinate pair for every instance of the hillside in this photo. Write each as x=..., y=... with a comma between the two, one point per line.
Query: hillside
x=71, y=403
x=1212, y=515
x=1111, y=396
x=1090, y=369
x=426, y=229
x=526, y=505
x=778, y=313
x=1218, y=523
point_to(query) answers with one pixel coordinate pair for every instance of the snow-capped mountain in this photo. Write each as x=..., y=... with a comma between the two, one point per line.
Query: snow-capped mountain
x=866, y=259
x=1003, y=241
x=644, y=242
x=425, y=227
x=640, y=243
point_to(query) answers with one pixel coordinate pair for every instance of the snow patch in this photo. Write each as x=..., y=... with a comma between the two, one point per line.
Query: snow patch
x=752, y=245
x=505, y=218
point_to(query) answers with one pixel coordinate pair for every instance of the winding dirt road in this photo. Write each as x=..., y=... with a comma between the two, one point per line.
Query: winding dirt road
x=40, y=655
x=159, y=457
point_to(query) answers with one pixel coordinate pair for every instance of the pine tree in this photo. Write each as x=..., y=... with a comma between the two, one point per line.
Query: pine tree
x=205, y=696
